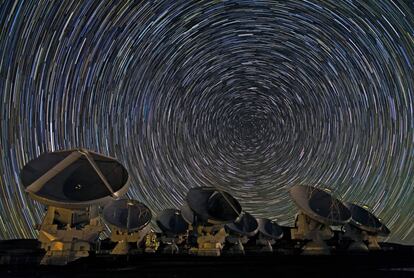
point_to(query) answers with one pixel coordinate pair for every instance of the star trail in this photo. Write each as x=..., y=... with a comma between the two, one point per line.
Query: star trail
x=251, y=97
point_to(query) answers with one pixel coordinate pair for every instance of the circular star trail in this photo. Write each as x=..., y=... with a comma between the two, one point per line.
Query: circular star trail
x=251, y=97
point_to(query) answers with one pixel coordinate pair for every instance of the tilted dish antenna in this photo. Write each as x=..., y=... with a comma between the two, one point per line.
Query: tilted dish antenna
x=171, y=222
x=129, y=222
x=364, y=227
x=269, y=232
x=75, y=178
x=318, y=210
x=207, y=209
x=174, y=228
x=240, y=232
x=213, y=206
x=72, y=183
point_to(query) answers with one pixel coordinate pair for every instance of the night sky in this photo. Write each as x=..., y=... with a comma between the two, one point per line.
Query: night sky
x=251, y=97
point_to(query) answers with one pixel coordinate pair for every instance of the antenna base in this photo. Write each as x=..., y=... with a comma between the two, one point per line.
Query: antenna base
x=209, y=243
x=316, y=248
x=124, y=238
x=313, y=231
x=363, y=241
x=67, y=235
x=266, y=245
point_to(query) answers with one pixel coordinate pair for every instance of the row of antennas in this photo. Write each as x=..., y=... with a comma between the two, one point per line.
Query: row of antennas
x=83, y=189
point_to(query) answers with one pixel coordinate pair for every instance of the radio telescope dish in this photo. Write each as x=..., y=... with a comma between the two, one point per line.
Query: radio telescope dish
x=269, y=229
x=320, y=205
x=366, y=221
x=129, y=221
x=269, y=232
x=364, y=229
x=127, y=215
x=174, y=229
x=384, y=231
x=170, y=221
x=187, y=214
x=246, y=225
x=74, y=178
x=239, y=232
x=318, y=210
x=213, y=206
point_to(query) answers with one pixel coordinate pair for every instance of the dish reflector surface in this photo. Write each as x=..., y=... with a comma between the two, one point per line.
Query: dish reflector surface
x=246, y=225
x=171, y=221
x=187, y=213
x=129, y=215
x=213, y=206
x=320, y=205
x=69, y=178
x=270, y=228
x=366, y=221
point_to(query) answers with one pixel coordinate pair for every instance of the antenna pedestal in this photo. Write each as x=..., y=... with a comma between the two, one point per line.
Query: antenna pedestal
x=209, y=243
x=363, y=241
x=314, y=232
x=121, y=248
x=266, y=245
x=171, y=244
x=358, y=246
x=358, y=237
x=237, y=243
x=67, y=235
x=316, y=248
x=151, y=242
x=171, y=248
x=373, y=243
x=124, y=239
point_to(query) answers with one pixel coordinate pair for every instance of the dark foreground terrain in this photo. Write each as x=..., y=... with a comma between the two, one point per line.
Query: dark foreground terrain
x=20, y=258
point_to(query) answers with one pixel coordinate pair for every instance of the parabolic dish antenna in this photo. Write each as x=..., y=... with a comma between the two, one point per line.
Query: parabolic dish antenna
x=213, y=206
x=366, y=221
x=246, y=225
x=170, y=221
x=127, y=215
x=270, y=229
x=320, y=205
x=74, y=178
x=187, y=213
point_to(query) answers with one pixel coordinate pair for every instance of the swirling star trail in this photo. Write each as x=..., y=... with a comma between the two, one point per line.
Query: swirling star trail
x=249, y=96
